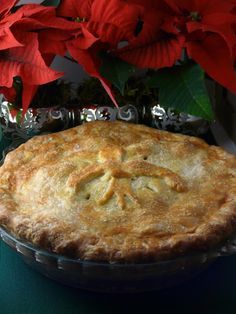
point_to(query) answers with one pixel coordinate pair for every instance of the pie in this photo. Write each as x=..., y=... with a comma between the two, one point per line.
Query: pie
x=118, y=192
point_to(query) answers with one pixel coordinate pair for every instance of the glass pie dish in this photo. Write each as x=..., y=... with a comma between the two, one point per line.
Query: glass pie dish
x=116, y=278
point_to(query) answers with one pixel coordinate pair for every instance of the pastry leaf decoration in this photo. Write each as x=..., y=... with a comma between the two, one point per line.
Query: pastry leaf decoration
x=111, y=164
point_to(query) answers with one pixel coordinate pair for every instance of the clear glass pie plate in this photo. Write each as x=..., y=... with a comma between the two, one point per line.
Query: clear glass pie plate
x=116, y=278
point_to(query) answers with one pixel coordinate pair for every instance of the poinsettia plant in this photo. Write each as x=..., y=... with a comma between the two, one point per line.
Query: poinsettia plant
x=181, y=41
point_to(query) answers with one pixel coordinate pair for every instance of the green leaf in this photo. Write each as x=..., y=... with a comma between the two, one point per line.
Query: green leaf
x=183, y=88
x=116, y=71
x=51, y=3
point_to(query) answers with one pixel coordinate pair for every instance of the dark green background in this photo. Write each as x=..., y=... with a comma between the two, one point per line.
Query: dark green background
x=23, y=291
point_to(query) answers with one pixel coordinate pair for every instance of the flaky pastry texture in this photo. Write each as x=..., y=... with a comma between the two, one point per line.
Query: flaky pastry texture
x=118, y=192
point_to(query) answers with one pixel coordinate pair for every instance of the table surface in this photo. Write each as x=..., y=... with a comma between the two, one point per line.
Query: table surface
x=24, y=291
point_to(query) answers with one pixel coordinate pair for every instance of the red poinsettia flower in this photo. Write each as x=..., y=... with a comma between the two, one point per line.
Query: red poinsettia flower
x=23, y=49
x=203, y=27
x=76, y=9
x=7, y=39
x=153, y=47
x=210, y=38
x=52, y=31
x=104, y=24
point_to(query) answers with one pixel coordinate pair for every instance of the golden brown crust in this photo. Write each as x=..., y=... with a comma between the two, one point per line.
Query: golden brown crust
x=112, y=191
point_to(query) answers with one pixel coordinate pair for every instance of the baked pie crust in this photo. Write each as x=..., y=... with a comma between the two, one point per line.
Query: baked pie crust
x=117, y=192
